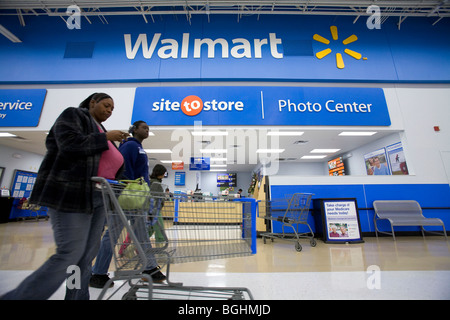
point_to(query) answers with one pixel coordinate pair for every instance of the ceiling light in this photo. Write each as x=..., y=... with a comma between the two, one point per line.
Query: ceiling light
x=218, y=159
x=325, y=150
x=313, y=157
x=213, y=150
x=355, y=133
x=209, y=133
x=158, y=150
x=217, y=170
x=9, y=34
x=285, y=133
x=171, y=161
x=7, y=135
x=218, y=165
x=269, y=150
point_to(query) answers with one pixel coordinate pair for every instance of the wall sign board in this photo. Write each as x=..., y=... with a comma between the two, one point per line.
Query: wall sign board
x=21, y=107
x=262, y=106
x=260, y=47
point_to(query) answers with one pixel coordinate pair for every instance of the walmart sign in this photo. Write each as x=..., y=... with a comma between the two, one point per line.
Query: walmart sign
x=257, y=48
x=170, y=48
x=261, y=106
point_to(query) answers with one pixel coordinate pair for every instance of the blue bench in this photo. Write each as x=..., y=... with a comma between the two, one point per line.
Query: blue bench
x=403, y=213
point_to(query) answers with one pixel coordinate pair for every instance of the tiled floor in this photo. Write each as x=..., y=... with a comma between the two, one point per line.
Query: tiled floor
x=409, y=268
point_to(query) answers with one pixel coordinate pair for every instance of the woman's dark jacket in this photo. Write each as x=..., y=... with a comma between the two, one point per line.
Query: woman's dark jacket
x=136, y=160
x=74, y=147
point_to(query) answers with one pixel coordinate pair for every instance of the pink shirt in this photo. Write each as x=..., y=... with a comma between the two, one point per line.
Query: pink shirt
x=110, y=161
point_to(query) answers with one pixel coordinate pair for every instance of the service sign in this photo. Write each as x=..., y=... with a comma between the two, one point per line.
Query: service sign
x=21, y=108
x=261, y=106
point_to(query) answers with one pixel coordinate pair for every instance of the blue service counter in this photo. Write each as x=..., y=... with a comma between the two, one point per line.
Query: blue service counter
x=22, y=211
x=433, y=198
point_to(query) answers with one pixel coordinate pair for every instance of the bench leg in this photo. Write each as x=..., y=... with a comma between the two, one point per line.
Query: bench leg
x=375, y=224
x=445, y=232
x=384, y=232
x=437, y=233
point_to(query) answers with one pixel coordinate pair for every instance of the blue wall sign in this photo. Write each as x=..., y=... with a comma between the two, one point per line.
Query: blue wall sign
x=261, y=106
x=200, y=163
x=21, y=108
x=180, y=178
x=266, y=47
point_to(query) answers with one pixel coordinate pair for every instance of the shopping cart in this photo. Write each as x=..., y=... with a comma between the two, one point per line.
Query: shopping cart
x=290, y=212
x=164, y=231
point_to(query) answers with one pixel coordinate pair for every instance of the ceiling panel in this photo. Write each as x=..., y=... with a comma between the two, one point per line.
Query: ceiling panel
x=241, y=152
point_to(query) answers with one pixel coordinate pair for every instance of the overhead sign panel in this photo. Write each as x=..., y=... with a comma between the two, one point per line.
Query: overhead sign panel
x=261, y=106
x=267, y=47
x=200, y=163
x=21, y=108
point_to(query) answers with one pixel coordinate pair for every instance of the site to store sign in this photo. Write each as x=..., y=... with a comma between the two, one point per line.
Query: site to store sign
x=261, y=106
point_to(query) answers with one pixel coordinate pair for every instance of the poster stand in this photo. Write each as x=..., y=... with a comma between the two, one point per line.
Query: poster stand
x=338, y=220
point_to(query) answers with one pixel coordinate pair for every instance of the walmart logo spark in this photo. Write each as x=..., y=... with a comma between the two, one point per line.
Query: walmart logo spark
x=339, y=60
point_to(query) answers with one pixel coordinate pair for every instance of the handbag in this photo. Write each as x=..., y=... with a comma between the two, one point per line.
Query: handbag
x=135, y=195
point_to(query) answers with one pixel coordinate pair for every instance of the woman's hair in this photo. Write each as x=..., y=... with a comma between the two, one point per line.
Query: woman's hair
x=158, y=170
x=135, y=125
x=97, y=97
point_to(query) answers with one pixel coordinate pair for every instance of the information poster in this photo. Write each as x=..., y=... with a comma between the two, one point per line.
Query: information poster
x=180, y=178
x=23, y=183
x=397, y=159
x=340, y=220
x=336, y=167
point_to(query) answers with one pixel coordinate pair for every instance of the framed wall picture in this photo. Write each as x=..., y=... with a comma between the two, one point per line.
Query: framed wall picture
x=377, y=163
x=397, y=160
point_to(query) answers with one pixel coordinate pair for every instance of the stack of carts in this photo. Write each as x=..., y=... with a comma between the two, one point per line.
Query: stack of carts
x=290, y=212
x=186, y=230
